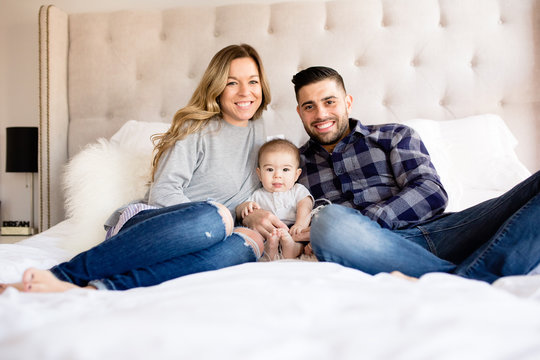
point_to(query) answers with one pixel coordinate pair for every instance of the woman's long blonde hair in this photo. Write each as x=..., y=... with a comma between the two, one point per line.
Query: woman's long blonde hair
x=204, y=103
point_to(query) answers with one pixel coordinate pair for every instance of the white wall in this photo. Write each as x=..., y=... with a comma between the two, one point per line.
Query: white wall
x=19, y=77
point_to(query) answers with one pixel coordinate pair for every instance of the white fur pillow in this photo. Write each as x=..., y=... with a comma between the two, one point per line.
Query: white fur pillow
x=98, y=180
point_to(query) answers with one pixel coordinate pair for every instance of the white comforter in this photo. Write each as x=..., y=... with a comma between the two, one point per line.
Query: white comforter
x=277, y=310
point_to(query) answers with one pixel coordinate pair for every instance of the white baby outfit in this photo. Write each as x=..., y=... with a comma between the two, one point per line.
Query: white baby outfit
x=281, y=204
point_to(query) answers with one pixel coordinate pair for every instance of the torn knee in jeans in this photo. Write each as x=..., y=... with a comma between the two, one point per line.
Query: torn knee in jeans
x=226, y=216
x=253, y=239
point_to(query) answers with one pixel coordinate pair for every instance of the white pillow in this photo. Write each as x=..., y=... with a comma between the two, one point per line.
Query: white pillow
x=430, y=132
x=136, y=134
x=472, y=154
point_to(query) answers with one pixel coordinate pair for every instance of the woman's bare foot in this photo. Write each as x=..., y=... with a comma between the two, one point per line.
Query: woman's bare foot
x=290, y=249
x=399, y=274
x=35, y=280
x=18, y=286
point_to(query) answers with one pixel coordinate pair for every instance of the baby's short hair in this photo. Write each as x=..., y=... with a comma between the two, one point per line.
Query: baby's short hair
x=279, y=145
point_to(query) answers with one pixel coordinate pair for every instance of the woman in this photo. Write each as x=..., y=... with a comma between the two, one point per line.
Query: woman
x=208, y=153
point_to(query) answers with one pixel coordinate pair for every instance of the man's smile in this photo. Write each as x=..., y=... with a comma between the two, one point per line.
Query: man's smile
x=324, y=126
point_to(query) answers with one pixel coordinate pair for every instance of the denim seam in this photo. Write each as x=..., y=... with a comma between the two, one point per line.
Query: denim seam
x=429, y=242
x=498, y=237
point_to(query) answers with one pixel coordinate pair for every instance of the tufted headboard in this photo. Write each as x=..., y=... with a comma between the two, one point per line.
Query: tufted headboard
x=401, y=59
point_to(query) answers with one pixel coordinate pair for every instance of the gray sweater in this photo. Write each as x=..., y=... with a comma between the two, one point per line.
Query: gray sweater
x=217, y=163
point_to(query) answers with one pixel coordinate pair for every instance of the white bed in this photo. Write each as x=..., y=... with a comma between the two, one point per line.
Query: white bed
x=451, y=69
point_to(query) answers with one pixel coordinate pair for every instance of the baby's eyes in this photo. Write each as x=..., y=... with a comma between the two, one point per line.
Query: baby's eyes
x=272, y=169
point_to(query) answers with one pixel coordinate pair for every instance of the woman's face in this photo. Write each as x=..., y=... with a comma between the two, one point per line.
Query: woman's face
x=243, y=93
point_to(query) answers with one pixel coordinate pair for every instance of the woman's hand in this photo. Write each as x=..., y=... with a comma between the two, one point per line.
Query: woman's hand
x=264, y=222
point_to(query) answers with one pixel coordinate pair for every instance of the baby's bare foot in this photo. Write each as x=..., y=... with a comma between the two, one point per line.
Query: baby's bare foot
x=290, y=249
x=271, y=248
x=35, y=280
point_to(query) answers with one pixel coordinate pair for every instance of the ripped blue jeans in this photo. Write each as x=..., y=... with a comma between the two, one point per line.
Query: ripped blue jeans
x=158, y=245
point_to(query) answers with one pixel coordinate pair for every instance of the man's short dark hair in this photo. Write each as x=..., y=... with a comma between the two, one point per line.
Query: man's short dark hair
x=315, y=74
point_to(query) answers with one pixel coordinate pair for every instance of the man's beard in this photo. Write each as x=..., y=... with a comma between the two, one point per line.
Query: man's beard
x=334, y=137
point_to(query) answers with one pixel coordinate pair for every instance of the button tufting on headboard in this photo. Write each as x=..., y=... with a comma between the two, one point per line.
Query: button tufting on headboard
x=437, y=59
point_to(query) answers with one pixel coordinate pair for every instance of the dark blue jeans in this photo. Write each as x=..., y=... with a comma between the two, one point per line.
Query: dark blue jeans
x=158, y=245
x=499, y=237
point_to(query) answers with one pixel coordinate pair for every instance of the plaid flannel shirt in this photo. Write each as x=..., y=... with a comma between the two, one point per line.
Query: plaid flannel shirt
x=384, y=171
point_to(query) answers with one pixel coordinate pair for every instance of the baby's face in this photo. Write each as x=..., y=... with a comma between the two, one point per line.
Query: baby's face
x=278, y=171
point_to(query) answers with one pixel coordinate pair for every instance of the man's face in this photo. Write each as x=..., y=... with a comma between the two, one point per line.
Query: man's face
x=324, y=109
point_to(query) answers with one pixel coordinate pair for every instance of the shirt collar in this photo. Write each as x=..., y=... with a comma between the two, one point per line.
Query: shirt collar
x=357, y=127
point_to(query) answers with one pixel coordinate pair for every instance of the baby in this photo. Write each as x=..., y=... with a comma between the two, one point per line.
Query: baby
x=278, y=169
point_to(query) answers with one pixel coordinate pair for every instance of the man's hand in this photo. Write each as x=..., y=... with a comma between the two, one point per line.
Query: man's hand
x=264, y=222
x=249, y=207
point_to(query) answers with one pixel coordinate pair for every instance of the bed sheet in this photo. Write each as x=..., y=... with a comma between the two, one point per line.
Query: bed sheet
x=284, y=309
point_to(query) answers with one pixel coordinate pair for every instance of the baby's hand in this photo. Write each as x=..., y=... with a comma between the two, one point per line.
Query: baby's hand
x=296, y=229
x=250, y=206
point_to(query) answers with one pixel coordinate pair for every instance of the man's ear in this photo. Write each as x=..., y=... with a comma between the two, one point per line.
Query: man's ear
x=298, y=172
x=349, y=102
x=298, y=110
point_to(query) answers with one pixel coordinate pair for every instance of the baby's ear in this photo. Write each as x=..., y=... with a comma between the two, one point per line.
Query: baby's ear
x=298, y=172
x=259, y=173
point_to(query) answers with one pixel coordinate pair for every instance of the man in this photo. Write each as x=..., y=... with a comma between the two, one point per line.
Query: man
x=388, y=202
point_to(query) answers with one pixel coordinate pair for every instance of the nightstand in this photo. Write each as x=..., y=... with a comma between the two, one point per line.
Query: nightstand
x=12, y=239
